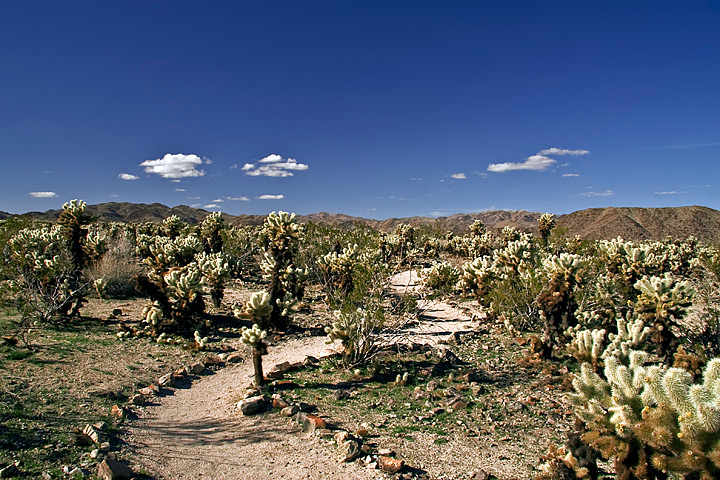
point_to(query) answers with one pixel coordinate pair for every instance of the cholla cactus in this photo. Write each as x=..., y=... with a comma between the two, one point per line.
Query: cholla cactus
x=546, y=223
x=73, y=220
x=255, y=337
x=215, y=269
x=339, y=267
x=661, y=302
x=153, y=314
x=280, y=235
x=477, y=277
x=356, y=331
x=441, y=276
x=258, y=309
x=211, y=229
x=556, y=303
x=406, y=235
x=477, y=228
x=172, y=226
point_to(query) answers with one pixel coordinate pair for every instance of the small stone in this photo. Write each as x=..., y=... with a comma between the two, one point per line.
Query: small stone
x=118, y=411
x=310, y=361
x=75, y=472
x=362, y=432
x=279, y=402
x=196, y=368
x=479, y=475
x=437, y=410
x=95, y=434
x=386, y=452
x=432, y=385
x=348, y=451
x=252, y=405
x=234, y=357
x=182, y=372
x=289, y=411
x=390, y=465
x=341, y=436
x=212, y=360
x=105, y=446
x=306, y=407
x=312, y=423
x=285, y=385
x=166, y=380
x=138, y=399
x=111, y=469
x=457, y=403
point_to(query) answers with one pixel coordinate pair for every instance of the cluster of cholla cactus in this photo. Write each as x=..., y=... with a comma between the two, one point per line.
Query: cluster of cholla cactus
x=650, y=418
x=338, y=267
x=399, y=245
x=357, y=331
x=557, y=303
x=280, y=236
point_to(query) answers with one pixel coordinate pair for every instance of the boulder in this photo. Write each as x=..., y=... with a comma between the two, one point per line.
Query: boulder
x=252, y=405
x=389, y=464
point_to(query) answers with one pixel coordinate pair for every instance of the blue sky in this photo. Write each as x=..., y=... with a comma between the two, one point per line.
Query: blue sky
x=371, y=108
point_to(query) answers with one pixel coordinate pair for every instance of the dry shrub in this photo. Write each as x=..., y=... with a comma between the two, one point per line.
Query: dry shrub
x=118, y=267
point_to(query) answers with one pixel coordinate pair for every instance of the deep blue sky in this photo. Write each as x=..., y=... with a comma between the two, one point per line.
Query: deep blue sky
x=387, y=108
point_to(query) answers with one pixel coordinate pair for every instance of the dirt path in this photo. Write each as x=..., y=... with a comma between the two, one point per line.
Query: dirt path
x=198, y=432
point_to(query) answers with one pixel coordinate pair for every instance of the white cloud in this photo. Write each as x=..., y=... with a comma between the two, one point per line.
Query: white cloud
x=218, y=200
x=459, y=176
x=538, y=162
x=416, y=179
x=207, y=161
x=270, y=197
x=174, y=166
x=194, y=198
x=212, y=205
x=241, y=199
x=179, y=189
x=563, y=151
x=671, y=192
x=233, y=166
x=606, y=193
x=571, y=175
x=128, y=176
x=43, y=194
x=534, y=162
x=272, y=158
x=114, y=195
x=274, y=166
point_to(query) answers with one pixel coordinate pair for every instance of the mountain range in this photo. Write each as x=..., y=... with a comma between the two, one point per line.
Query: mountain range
x=630, y=223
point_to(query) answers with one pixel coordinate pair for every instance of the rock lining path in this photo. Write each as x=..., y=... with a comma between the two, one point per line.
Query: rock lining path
x=198, y=433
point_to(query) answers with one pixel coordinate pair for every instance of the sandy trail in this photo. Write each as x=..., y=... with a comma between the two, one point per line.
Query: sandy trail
x=198, y=432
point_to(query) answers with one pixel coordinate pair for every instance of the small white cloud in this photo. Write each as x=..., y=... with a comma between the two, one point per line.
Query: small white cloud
x=563, y=151
x=571, y=175
x=212, y=205
x=218, y=200
x=240, y=199
x=270, y=197
x=538, y=162
x=233, y=166
x=481, y=174
x=194, y=198
x=179, y=189
x=274, y=166
x=207, y=161
x=416, y=179
x=606, y=193
x=534, y=162
x=174, y=166
x=127, y=176
x=114, y=195
x=671, y=192
x=459, y=176
x=43, y=194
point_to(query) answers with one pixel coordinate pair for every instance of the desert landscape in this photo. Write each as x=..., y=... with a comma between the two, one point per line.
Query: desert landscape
x=324, y=347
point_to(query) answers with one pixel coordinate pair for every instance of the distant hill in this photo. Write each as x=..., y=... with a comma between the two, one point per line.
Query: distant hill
x=635, y=223
x=631, y=223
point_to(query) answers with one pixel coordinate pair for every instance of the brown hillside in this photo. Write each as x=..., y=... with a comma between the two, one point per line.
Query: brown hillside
x=634, y=223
